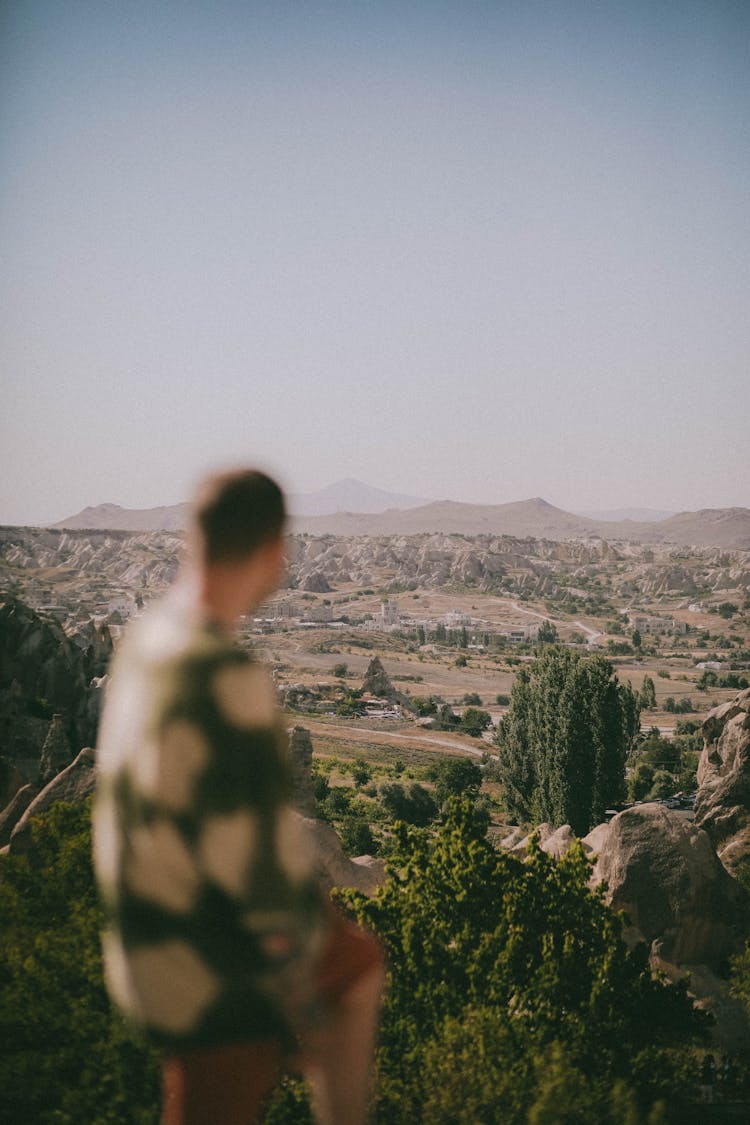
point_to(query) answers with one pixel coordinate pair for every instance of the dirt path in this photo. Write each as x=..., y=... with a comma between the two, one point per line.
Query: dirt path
x=392, y=738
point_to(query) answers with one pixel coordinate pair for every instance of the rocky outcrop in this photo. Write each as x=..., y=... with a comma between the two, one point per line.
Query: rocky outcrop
x=377, y=682
x=56, y=752
x=722, y=807
x=334, y=867
x=553, y=841
x=663, y=872
x=316, y=583
x=74, y=784
x=11, y=780
x=14, y=810
x=42, y=671
x=300, y=755
x=140, y=562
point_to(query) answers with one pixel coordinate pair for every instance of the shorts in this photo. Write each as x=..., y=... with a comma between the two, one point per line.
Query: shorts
x=230, y=1083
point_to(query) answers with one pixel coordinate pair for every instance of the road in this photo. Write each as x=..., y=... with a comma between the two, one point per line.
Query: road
x=591, y=634
x=425, y=740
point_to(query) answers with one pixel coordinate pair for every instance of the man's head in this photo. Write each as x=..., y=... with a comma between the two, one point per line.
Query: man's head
x=236, y=513
x=237, y=542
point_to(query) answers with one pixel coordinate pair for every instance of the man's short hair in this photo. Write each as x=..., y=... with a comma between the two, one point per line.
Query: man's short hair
x=236, y=512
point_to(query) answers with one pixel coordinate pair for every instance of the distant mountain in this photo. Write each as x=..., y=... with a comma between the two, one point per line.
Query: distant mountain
x=343, y=496
x=349, y=496
x=726, y=528
x=535, y=518
x=172, y=517
x=709, y=527
x=638, y=515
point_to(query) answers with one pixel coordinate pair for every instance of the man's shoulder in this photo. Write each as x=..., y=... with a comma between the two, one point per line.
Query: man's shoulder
x=171, y=632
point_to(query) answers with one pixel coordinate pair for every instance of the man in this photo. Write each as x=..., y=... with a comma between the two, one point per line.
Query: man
x=220, y=944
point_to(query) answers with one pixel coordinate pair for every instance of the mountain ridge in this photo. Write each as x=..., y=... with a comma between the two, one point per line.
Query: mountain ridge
x=727, y=528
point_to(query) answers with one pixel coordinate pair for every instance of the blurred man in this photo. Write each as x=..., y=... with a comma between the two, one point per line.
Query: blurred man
x=220, y=944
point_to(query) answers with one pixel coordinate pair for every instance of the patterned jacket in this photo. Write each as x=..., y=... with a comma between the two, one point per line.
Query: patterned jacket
x=214, y=914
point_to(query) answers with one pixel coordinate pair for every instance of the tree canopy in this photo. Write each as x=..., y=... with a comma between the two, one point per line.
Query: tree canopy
x=65, y=1055
x=511, y=996
x=511, y=989
x=564, y=740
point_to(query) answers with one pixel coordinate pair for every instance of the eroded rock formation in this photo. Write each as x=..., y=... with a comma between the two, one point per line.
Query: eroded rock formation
x=42, y=670
x=74, y=784
x=376, y=680
x=722, y=807
x=662, y=870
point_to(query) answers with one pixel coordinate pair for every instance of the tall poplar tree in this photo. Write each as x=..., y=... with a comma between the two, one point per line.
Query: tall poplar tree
x=565, y=739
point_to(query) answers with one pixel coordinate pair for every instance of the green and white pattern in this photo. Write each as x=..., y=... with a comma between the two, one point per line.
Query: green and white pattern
x=214, y=911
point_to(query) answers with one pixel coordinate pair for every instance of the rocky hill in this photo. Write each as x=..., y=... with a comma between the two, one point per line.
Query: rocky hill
x=112, y=517
x=86, y=568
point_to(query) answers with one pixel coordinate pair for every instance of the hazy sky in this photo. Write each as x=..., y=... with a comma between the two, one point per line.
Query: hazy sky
x=483, y=251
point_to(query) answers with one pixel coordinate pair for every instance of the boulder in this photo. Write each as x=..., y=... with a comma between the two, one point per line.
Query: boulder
x=74, y=784
x=596, y=839
x=553, y=841
x=559, y=841
x=722, y=807
x=543, y=831
x=664, y=873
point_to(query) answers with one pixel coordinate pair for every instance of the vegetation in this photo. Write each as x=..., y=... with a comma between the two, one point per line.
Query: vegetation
x=648, y=695
x=511, y=998
x=65, y=1056
x=475, y=721
x=511, y=992
x=664, y=766
x=564, y=740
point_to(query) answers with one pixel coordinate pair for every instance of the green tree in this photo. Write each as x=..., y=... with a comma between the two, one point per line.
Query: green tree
x=509, y=981
x=547, y=634
x=65, y=1056
x=474, y=721
x=565, y=739
x=412, y=804
x=640, y=781
x=349, y=706
x=648, y=695
x=663, y=785
x=456, y=777
x=361, y=772
x=356, y=836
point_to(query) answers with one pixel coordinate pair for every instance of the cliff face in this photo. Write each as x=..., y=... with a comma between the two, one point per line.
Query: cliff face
x=722, y=807
x=42, y=670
